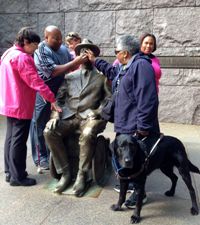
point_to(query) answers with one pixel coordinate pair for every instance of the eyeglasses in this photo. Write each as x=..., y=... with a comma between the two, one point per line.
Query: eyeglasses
x=35, y=44
x=72, y=35
x=117, y=52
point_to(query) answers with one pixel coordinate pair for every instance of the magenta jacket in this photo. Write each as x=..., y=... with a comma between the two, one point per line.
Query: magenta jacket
x=19, y=82
x=156, y=66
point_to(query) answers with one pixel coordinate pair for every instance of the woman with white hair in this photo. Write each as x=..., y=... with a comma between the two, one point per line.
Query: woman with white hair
x=133, y=84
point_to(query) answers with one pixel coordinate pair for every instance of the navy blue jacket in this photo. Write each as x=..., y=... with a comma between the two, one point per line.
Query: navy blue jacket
x=136, y=102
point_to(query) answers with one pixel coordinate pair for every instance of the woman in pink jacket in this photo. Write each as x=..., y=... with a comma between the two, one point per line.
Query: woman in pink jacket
x=147, y=47
x=19, y=82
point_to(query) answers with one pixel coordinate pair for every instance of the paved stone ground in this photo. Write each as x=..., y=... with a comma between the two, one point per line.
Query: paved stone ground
x=39, y=206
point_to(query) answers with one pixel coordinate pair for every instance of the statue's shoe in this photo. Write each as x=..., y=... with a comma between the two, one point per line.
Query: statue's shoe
x=63, y=183
x=81, y=185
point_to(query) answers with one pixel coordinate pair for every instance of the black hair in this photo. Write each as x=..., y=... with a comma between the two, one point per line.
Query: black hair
x=26, y=33
x=149, y=35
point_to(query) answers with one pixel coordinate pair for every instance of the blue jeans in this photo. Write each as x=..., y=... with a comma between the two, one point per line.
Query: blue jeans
x=41, y=116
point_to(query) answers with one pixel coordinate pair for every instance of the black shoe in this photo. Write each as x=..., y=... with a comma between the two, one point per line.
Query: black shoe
x=131, y=202
x=24, y=182
x=7, y=177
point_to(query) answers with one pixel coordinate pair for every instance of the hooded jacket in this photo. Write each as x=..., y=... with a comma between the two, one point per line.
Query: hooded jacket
x=136, y=102
x=19, y=82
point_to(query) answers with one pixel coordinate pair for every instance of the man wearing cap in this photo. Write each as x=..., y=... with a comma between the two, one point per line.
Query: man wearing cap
x=81, y=97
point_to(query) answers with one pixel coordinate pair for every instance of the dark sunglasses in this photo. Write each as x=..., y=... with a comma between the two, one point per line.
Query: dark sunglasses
x=72, y=36
x=117, y=52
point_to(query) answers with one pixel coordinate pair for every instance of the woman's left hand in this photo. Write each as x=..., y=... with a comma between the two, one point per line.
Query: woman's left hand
x=90, y=56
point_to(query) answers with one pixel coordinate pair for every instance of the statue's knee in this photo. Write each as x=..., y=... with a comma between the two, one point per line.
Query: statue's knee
x=47, y=133
x=86, y=136
x=87, y=131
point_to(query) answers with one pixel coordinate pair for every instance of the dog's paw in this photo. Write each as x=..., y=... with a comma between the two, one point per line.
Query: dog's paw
x=135, y=219
x=194, y=211
x=116, y=207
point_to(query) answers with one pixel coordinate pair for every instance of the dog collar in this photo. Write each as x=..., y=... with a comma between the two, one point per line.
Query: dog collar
x=124, y=173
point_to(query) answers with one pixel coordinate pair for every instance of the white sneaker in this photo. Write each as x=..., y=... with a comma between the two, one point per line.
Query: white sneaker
x=130, y=188
x=43, y=166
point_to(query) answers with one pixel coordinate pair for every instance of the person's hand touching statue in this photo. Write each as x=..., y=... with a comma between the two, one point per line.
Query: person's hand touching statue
x=90, y=56
x=55, y=107
x=82, y=58
x=52, y=123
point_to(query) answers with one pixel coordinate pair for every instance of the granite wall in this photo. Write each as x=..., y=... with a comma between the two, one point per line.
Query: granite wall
x=175, y=23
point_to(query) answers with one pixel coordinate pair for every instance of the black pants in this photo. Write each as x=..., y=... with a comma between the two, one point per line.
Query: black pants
x=15, y=149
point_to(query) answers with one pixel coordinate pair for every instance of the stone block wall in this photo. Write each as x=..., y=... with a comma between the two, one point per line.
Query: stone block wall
x=175, y=23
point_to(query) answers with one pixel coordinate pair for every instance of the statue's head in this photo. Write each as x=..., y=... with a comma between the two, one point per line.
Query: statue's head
x=85, y=45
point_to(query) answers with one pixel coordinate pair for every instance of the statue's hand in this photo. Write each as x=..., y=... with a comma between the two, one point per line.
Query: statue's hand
x=52, y=123
x=92, y=115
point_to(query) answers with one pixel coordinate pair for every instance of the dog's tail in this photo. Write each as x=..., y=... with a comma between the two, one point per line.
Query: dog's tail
x=193, y=168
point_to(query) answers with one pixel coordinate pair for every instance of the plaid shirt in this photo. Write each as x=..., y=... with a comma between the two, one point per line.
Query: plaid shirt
x=46, y=60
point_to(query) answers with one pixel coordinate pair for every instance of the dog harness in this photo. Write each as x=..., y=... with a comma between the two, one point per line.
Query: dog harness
x=126, y=173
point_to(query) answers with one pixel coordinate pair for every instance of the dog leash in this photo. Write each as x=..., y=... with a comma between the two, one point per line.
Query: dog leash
x=118, y=169
x=144, y=165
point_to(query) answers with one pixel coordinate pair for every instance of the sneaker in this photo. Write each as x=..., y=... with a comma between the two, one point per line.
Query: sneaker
x=130, y=188
x=24, y=182
x=44, y=166
x=131, y=202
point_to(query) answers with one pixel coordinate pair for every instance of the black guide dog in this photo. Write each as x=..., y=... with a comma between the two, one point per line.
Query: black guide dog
x=136, y=165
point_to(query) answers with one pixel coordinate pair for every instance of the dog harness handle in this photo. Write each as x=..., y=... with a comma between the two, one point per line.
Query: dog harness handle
x=154, y=147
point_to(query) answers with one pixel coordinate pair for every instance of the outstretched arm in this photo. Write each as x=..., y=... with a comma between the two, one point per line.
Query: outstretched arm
x=60, y=69
x=106, y=68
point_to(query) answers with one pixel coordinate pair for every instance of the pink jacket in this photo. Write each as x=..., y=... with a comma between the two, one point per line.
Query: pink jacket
x=156, y=66
x=19, y=82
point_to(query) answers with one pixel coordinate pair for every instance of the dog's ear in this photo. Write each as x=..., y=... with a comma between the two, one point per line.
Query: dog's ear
x=113, y=146
x=141, y=145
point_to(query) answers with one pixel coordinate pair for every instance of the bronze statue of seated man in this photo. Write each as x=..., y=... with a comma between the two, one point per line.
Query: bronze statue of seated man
x=81, y=97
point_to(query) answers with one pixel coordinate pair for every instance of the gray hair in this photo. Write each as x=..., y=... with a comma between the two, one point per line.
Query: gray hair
x=51, y=28
x=128, y=43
